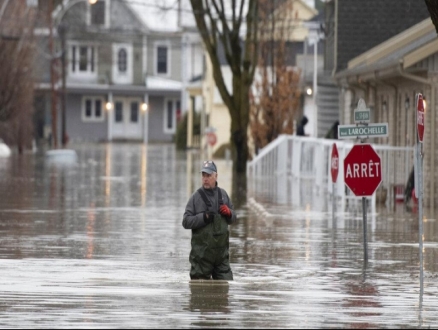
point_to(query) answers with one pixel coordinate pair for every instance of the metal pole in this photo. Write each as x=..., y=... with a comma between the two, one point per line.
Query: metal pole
x=333, y=202
x=365, y=243
x=420, y=213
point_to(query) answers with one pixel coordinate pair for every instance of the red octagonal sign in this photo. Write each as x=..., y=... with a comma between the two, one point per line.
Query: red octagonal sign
x=362, y=170
x=420, y=117
x=334, y=164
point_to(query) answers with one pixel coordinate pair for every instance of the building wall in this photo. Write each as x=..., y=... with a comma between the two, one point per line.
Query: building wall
x=156, y=120
x=104, y=64
x=394, y=103
x=77, y=130
x=174, y=55
x=138, y=72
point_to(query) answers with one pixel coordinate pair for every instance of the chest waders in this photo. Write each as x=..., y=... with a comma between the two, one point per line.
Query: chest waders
x=210, y=247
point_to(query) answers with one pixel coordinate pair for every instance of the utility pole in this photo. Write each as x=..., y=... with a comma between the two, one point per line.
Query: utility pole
x=62, y=30
x=54, y=110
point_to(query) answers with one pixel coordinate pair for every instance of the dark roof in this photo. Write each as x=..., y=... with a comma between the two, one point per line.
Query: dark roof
x=365, y=24
x=390, y=60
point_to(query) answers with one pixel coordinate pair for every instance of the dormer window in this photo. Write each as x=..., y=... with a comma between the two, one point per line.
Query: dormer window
x=98, y=13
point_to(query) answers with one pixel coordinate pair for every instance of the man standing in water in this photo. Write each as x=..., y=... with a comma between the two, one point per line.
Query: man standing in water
x=208, y=213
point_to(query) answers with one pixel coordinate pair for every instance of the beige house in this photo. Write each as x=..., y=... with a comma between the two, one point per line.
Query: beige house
x=216, y=117
x=388, y=77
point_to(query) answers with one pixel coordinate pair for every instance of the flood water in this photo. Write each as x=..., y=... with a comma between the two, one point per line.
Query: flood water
x=99, y=244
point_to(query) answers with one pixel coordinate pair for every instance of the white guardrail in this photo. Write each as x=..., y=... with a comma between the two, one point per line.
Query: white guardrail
x=293, y=168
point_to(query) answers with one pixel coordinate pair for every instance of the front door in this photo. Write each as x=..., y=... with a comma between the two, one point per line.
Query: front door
x=127, y=119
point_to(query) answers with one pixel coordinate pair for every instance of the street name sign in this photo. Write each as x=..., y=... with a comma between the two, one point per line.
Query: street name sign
x=368, y=131
x=362, y=170
x=361, y=113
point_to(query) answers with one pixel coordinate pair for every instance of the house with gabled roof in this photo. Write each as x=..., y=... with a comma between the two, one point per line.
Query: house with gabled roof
x=388, y=77
x=350, y=29
x=123, y=77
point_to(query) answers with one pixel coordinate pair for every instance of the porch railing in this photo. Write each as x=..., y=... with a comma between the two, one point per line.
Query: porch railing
x=291, y=168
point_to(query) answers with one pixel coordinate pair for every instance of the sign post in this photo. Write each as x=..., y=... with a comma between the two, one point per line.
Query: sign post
x=419, y=179
x=334, y=170
x=362, y=166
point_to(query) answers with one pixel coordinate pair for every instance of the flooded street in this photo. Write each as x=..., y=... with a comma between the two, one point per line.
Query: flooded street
x=99, y=244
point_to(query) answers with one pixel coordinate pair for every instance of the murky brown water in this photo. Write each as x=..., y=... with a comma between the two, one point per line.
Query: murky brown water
x=100, y=244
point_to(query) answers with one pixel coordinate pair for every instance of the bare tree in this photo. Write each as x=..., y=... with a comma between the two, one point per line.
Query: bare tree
x=275, y=95
x=223, y=22
x=16, y=75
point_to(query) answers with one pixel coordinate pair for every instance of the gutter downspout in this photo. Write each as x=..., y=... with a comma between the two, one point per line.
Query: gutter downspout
x=432, y=147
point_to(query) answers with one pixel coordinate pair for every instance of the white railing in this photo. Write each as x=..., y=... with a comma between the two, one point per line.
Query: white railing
x=291, y=168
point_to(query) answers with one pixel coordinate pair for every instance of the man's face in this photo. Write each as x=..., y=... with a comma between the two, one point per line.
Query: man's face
x=209, y=180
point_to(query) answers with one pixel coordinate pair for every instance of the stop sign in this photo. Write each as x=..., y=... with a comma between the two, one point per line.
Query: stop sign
x=211, y=138
x=362, y=170
x=420, y=117
x=334, y=163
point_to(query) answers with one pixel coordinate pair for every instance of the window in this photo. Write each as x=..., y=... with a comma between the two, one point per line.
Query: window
x=169, y=123
x=162, y=59
x=98, y=13
x=92, y=109
x=118, y=113
x=82, y=59
x=134, y=112
x=122, y=59
x=123, y=64
x=32, y=3
x=170, y=113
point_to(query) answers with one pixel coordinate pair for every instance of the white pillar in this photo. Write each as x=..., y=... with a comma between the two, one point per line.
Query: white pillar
x=146, y=119
x=110, y=116
x=190, y=123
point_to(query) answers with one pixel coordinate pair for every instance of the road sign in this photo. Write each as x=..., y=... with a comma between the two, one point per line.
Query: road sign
x=370, y=130
x=361, y=113
x=334, y=167
x=420, y=117
x=211, y=139
x=362, y=170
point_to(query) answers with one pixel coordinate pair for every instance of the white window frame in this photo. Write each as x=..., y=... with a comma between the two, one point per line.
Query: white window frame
x=90, y=56
x=123, y=77
x=107, y=14
x=169, y=56
x=173, y=128
x=93, y=118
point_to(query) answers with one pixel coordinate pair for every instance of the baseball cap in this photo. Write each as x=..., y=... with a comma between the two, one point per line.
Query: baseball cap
x=209, y=167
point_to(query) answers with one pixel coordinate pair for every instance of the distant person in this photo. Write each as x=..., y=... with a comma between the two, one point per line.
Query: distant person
x=300, y=128
x=333, y=131
x=410, y=185
x=208, y=213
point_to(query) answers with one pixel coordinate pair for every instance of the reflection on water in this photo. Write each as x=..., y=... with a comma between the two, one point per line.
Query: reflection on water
x=99, y=243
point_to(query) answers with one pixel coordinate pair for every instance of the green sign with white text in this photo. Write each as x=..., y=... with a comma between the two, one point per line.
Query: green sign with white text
x=368, y=131
x=362, y=116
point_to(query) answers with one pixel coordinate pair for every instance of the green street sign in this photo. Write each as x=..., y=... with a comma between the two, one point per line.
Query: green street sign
x=362, y=116
x=361, y=113
x=361, y=132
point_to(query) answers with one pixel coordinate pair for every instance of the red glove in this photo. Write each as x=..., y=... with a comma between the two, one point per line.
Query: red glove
x=225, y=211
